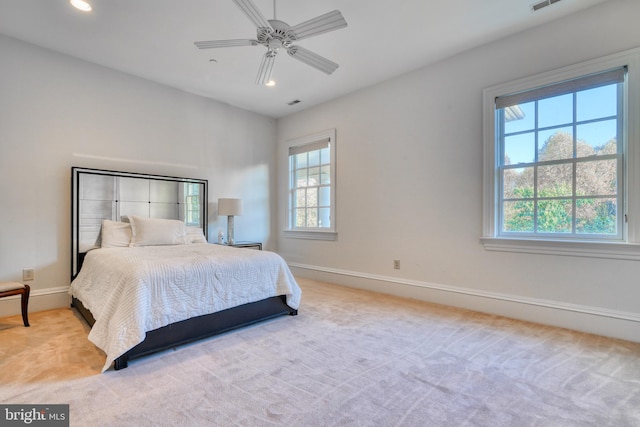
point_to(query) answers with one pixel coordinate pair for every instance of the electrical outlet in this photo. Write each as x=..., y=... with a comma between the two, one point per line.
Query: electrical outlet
x=396, y=264
x=28, y=274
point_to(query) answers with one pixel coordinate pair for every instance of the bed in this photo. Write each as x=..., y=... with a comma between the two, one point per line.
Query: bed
x=146, y=279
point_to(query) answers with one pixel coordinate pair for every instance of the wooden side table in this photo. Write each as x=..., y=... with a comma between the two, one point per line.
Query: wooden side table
x=13, y=288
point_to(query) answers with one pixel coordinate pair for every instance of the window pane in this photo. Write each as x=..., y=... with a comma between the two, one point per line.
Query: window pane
x=597, y=138
x=325, y=178
x=301, y=160
x=520, y=118
x=518, y=183
x=556, y=144
x=554, y=216
x=312, y=197
x=301, y=198
x=312, y=218
x=519, y=149
x=314, y=176
x=518, y=216
x=314, y=158
x=597, y=103
x=325, y=158
x=301, y=178
x=555, y=180
x=324, y=219
x=597, y=178
x=596, y=216
x=300, y=217
x=555, y=111
x=325, y=196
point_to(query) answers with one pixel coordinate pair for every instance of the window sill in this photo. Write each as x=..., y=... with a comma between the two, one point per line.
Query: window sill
x=311, y=234
x=610, y=250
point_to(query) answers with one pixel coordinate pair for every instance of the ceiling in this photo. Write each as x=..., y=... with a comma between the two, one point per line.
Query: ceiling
x=153, y=39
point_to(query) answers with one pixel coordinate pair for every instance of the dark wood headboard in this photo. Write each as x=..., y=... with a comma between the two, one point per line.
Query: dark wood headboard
x=103, y=194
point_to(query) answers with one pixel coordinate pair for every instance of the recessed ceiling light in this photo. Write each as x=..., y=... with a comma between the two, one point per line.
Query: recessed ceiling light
x=81, y=5
x=270, y=83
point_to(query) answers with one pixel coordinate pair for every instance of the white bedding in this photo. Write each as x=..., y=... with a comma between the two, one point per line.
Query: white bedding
x=131, y=291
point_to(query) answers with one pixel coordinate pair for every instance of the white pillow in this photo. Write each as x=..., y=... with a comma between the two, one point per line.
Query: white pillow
x=195, y=235
x=115, y=234
x=156, y=231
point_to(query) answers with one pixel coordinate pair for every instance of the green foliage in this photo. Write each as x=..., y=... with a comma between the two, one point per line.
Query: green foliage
x=595, y=215
x=520, y=218
x=554, y=216
x=604, y=220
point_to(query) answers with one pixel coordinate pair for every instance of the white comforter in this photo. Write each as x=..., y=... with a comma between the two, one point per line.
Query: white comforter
x=134, y=290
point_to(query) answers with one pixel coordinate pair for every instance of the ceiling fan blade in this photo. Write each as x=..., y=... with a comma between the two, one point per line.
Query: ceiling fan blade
x=253, y=13
x=322, y=24
x=225, y=43
x=266, y=66
x=310, y=58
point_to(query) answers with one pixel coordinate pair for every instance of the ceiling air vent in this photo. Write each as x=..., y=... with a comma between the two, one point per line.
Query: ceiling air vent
x=536, y=7
x=294, y=102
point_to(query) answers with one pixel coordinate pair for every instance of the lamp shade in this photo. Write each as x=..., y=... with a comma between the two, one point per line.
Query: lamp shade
x=230, y=207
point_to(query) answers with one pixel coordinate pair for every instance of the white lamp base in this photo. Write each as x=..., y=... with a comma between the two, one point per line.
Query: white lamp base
x=230, y=240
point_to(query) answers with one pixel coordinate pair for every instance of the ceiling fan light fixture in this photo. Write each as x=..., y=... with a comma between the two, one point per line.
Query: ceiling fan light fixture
x=270, y=83
x=81, y=5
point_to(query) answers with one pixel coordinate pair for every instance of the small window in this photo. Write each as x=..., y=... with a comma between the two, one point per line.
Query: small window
x=193, y=205
x=311, y=212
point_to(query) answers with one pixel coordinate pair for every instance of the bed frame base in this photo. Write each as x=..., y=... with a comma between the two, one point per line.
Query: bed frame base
x=198, y=327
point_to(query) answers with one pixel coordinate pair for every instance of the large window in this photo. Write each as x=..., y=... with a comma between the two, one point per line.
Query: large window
x=561, y=155
x=560, y=164
x=311, y=212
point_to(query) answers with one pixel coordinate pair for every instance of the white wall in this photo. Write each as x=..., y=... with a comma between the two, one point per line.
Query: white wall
x=57, y=112
x=409, y=165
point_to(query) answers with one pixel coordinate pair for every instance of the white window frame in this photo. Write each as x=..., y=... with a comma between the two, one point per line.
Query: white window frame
x=626, y=248
x=312, y=233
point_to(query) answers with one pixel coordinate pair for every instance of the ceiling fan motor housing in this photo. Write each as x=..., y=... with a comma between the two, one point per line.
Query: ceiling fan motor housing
x=277, y=36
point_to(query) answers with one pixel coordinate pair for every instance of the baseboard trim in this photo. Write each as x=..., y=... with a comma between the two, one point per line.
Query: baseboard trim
x=39, y=300
x=601, y=321
x=612, y=323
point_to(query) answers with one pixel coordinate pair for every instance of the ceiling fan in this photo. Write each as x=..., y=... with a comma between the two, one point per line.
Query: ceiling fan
x=275, y=35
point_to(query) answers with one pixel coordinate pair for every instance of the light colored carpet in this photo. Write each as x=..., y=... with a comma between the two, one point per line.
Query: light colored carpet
x=351, y=358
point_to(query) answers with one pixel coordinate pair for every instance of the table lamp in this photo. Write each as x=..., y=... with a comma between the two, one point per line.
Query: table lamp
x=230, y=208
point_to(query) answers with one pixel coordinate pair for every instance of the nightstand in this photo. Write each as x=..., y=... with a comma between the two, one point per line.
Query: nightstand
x=248, y=245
